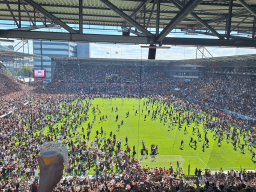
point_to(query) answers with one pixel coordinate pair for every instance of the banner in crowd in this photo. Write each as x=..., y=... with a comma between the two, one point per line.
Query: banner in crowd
x=238, y=115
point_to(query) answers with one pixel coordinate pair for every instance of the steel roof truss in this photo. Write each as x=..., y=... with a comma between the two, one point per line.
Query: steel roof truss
x=228, y=28
x=139, y=7
x=124, y=39
x=157, y=16
x=248, y=7
x=7, y=3
x=80, y=16
x=50, y=16
x=127, y=18
x=190, y=6
x=151, y=13
x=35, y=27
x=179, y=5
x=27, y=13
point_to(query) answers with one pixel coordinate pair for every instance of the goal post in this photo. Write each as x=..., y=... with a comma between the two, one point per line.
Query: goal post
x=161, y=160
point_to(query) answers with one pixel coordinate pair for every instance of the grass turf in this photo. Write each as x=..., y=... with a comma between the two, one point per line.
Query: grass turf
x=168, y=140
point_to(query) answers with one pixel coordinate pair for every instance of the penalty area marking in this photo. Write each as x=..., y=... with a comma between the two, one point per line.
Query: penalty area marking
x=199, y=159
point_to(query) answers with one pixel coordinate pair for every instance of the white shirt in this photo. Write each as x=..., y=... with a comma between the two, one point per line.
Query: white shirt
x=27, y=170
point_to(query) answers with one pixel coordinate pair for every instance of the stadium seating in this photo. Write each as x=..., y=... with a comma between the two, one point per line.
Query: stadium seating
x=229, y=92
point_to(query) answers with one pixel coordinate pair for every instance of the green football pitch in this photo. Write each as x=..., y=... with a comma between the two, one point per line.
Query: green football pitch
x=136, y=128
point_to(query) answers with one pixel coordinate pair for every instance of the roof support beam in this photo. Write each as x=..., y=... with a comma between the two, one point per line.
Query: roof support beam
x=245, y=13
x=127, y=18
x=229, y=19
x=35, y=27
x=7, y=3
x=50, y=16
x=19, y=14
x=113, y=16
x=35, y=16
x=151, y=13
x=253, y=29
x=248, y=7
x=231, y=36
x=179, y=5
x=132, y=31
x=215, y=3
x=139, y=7
x=239, y=24
x=28, y=13
x=76, y=37
x=81, y=16
x=157, y=16
x=223, y=18
x=161, y=1
x=243, y=29
x=40, y=17
x=125, y=39
x=144, y=16
x=207, y=42
x=178, y=18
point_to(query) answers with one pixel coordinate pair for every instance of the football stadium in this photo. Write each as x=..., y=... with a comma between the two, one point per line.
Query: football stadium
x=127, y=95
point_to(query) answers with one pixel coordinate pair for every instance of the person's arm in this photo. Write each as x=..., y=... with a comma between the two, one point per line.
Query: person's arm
x=51, y=174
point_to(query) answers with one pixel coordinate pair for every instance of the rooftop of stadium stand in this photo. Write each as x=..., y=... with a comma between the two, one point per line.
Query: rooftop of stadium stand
x=96, y=12
x=227, y=61
x=6, y=55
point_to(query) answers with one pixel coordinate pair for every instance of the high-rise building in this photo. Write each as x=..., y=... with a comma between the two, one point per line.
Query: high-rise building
x=83, y=50
x=48, y=49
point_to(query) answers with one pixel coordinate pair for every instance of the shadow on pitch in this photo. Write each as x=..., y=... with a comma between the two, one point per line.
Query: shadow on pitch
x=254, y=161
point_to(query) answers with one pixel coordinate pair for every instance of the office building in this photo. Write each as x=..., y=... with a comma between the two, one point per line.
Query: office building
x=48, y=49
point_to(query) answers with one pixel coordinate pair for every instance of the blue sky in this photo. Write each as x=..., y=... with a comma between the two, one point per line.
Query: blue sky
x=100, y=50
x=174, y=53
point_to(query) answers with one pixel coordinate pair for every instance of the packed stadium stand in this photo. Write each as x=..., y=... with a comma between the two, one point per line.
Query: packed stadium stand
x=110, y=79
x=226, y=90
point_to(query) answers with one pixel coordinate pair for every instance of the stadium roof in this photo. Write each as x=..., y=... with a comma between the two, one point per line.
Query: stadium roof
x=227, y=61
x=143, y=21
x=2, y=67
x=12, y=55
x=107, y=61
x=104, y=12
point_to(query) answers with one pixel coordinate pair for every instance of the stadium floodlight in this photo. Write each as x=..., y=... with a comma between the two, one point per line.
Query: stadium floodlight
x=155, y=47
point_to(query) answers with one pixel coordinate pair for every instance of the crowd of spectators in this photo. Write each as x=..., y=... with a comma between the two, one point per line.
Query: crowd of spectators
x=233, y=70
x=12, y=93
x=234, y=93
x=21, y=134
x=111, y=79
x=223, y=91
